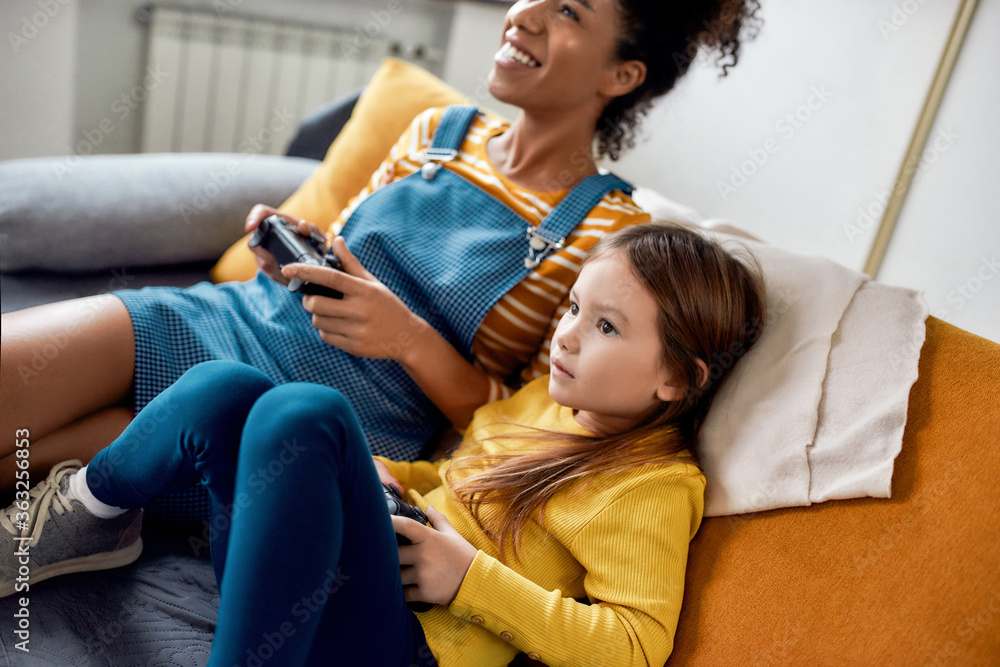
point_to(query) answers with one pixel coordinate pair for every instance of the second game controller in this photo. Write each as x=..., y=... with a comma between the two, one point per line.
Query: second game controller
x=399, y=507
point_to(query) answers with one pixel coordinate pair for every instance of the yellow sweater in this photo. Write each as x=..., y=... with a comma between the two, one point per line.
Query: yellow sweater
x=621, y=543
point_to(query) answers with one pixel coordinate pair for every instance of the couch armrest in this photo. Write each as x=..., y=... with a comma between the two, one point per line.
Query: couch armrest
x=909, y=580
x=84, y=214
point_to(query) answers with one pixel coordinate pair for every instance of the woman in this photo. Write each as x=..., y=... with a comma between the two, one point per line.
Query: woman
x=579, y=71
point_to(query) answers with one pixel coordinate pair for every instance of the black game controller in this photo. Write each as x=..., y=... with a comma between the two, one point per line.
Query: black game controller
x=399, y=507
x=281, y=239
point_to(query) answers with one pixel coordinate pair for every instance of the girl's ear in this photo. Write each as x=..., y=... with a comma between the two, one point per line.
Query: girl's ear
x=703, y=375
x=672, y=392
x=626, y=77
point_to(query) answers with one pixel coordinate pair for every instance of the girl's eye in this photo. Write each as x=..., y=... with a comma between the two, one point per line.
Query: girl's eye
x=573, y=308
x=607, y=328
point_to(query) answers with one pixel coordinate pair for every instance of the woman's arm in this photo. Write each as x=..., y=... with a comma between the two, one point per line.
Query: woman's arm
x=455, y=386
x=371, y=321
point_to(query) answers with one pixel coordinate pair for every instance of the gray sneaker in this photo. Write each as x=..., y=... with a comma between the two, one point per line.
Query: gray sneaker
x=74, y=540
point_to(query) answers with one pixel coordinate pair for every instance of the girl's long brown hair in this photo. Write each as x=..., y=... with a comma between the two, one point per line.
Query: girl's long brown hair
x=711, y=307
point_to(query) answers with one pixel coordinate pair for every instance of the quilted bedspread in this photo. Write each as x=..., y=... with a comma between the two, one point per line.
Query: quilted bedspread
x=160, y=610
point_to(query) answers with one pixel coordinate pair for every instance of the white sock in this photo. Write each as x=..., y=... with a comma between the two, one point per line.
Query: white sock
x=78, y=489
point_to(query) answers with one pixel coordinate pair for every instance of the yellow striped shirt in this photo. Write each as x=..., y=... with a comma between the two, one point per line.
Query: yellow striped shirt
x=512, y=343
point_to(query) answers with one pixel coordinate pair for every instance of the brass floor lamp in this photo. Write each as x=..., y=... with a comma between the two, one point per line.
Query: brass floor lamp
x=918, y=140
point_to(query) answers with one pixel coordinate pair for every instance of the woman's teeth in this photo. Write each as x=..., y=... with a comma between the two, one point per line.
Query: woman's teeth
x=510, y=51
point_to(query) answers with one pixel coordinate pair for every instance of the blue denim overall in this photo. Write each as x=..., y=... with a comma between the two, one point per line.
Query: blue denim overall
x=445, y=247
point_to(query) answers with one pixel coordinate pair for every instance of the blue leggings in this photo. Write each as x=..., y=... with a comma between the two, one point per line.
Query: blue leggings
x=301, y=541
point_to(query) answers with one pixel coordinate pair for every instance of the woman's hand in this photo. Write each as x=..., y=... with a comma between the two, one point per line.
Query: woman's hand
x=265, y=260
x=436, y=562
x=370, y=321
x=386, y=477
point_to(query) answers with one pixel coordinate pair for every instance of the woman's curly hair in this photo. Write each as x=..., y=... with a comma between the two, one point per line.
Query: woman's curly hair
x=666, y=36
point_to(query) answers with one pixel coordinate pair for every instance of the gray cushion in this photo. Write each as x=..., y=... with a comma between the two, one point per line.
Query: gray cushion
x=25, y=289
x=81, y=214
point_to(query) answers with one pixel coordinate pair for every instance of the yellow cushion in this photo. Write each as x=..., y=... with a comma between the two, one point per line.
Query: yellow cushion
x=397, y=92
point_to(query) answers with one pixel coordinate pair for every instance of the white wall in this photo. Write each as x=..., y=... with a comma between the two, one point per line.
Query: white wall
x=812, y=124
x=67, y=83
x=37, y=70
x=475, y=36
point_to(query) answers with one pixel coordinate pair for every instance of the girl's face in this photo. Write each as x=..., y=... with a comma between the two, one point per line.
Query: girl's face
x=606, y=356
x=560, y=54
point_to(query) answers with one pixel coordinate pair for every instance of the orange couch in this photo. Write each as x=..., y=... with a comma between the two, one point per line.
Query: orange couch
x=911, y=580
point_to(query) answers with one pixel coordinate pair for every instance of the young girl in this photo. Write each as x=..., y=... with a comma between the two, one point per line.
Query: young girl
x=560, y=526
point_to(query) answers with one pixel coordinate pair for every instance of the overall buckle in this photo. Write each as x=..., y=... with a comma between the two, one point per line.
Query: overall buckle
x=541, y=243
x=433, y=158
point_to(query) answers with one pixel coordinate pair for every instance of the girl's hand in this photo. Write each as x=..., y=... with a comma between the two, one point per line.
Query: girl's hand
x=386, y=477
x=265, y=260
x=370, y=321
x=438, y=558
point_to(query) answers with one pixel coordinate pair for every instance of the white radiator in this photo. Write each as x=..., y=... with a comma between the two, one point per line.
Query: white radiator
x=224, y=83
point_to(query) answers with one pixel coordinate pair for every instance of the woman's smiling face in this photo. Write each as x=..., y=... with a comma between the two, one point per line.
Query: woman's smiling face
x=606, y=353
x=558, y=55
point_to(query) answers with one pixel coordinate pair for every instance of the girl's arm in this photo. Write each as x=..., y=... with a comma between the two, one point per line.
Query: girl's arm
x=422, y=476
x=635, y=554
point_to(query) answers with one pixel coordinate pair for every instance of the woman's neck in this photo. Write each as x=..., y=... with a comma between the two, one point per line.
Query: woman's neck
x=544, y=156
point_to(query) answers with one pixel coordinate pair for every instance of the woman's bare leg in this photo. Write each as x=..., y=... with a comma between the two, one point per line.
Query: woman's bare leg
x=81, y=439
x=63, y=366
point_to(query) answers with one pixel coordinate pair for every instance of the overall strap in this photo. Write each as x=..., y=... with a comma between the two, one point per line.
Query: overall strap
x=448, y=138
x=454, y=125
x=571, y=210
x=551, y=233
